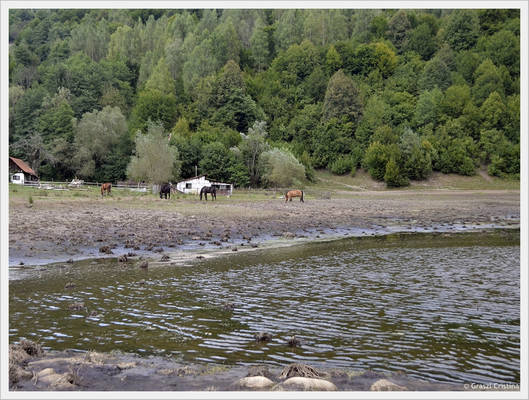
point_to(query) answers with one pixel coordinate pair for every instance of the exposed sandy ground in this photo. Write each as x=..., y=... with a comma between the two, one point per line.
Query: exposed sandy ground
x=60, y=229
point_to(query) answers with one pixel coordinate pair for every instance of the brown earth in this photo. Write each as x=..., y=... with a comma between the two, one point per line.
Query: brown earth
x=60, y=229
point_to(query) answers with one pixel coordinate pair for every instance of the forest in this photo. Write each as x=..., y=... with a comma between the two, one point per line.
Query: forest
x=264, y=97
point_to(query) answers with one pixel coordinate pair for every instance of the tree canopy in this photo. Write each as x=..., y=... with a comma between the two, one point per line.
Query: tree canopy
x=236, y=92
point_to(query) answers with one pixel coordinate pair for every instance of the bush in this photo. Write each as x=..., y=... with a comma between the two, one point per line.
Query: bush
x=375, y=160
x=281, y=169
x=342, y=165
x=393, y=176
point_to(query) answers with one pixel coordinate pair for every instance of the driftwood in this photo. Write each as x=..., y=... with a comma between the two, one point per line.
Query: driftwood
x=302, y=370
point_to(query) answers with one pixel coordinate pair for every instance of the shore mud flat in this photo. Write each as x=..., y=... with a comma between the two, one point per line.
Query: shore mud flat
x=58, y=231
x=91, y=371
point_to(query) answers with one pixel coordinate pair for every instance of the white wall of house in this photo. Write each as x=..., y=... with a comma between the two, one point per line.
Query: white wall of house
x=18, y=178
x=193, y=185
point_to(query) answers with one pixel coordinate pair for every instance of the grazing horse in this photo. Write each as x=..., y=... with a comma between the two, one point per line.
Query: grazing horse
x=106, y=187
x=208, y=189
x=165, y=190
x=294, y=193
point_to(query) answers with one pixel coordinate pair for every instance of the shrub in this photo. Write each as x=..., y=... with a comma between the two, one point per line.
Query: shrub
x=342, y=165
x=281, y=168
x=393, y=176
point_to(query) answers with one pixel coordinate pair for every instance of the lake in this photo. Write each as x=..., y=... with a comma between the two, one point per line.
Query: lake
x=439, y=307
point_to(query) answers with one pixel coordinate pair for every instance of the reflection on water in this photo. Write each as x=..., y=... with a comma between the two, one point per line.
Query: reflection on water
x=439, y=309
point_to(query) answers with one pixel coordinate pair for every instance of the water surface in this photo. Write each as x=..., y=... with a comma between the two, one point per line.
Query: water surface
x=438, y=307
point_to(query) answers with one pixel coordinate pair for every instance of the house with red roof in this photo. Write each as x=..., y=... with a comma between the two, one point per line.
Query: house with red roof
x=20, y=171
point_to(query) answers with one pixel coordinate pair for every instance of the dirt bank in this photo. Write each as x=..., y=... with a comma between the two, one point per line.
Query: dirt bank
x=60, y=229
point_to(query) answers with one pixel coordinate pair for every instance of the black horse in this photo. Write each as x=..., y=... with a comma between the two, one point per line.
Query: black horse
x=208, y=189
x=165, y=190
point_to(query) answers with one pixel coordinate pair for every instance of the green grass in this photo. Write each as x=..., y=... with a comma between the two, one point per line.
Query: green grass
x=327, y=185
x=362, y=181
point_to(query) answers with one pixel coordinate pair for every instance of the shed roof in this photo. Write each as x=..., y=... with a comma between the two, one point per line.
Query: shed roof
x=23, y=166
x=193, y=178
x=202, y=176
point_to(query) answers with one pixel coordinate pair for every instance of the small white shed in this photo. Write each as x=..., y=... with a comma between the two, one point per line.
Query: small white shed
x=194, y=185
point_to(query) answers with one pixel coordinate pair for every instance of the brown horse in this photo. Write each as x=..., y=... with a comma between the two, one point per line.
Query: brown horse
x=105, y=187
x=294, y=193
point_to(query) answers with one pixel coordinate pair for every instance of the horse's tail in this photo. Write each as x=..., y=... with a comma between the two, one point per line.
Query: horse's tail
x=302, y=196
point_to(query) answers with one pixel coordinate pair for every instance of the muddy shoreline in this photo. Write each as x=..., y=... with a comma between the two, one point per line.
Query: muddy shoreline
x=92, y=371
x=74, y=229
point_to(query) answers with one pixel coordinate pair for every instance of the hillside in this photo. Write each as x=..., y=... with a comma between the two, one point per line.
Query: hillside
x=265, y=97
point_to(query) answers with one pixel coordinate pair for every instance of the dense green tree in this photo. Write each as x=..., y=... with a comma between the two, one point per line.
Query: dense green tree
x=457, y=152
x=331, y=139
x=455, y=99
x=216, y=162
x=416, y=154
x=422, y=40
x=56, y=121
x=493, y=112
x=91, y=37
x=259, y=43
x=398, y=29
x=161, y=79
x=462, y=30
x=407, y=73
x=375, y=160
x=428, y=108
x=155, y=106
x=342, y=99
x=333, y=60
x=512, y=125
x=487, y=80
x=303, y=124
x=377, y=112
x=393, y=175
x=26, y=113
x=503, y=48
x=466, y=63
x=434, y=74
x=289, y=29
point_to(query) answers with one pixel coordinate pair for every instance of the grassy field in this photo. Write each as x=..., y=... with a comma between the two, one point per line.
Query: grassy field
x=327, y=185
